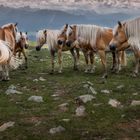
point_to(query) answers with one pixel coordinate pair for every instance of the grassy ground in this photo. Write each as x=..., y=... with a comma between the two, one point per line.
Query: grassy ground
x=102, y=122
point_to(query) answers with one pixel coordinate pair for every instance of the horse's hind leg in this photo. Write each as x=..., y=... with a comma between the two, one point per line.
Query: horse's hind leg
x=74, y=58
x=92, y=67
x=5, y=73
x=103, y=60
x=137, y=58
x=26, y=60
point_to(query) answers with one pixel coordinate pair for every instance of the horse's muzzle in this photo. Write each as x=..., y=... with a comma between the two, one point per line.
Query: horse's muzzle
x=38, y=48
x=112, y=47
x=69, y=43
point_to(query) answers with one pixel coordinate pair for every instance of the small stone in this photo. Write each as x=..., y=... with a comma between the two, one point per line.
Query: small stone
x=86, y=98
x=6, y=125
x=80, y=111
x=35, y=99
x=89, y=83
x=66, y=120
x=35, y=80
x=92, y=90
x=12, y=91
x=64, y=107
x=42, y=79
x=105, y=91
x=135, y=94
x=120, y=87
x=86, y=86
x=57, y=130
x=135, y=103
x=114, y=103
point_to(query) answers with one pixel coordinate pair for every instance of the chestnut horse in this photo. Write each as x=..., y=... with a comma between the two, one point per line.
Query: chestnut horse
x=125, y=35
x=55, y=40
x=8, y=34
x=91, y=39
x=21, y=45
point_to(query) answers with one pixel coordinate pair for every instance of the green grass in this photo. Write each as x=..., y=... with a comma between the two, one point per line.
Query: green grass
x=34, y=120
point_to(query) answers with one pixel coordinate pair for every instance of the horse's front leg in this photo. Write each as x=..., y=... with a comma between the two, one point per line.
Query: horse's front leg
x=114, y=63
x=103, y=60
x=92, y=67
x=87, y=61
x=60, y=60
x=25, y=57
x=75, y=59
x=52, y=61
x=77, y=56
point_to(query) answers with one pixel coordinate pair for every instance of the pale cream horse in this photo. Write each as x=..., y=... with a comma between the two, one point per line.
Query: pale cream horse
x=55, y=40
x=8, y=34
x=92, y=39
x=127, y=35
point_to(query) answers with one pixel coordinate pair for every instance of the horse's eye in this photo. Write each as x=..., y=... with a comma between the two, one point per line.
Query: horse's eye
x=70, y=34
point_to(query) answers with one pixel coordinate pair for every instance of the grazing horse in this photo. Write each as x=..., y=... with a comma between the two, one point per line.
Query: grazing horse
x=21, y=45
x=91, y=39
x=125, y=35
x=55, y=40
x=8, y=34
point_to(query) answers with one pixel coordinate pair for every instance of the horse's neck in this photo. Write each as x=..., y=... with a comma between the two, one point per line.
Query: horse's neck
x=107, y=35
x=2, y=34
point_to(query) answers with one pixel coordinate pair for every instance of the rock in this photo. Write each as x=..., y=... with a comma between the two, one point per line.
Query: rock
x=57, y=130
x=135, y=94
x=114, y=103
x=35, y=99
x=86, y=86
x=135, y=103
x=105, y=91
x=12, y=90
x=66, y=120
x=64, y=107
x=89, y=83
x=86, y=98
x=120, y=87
x=80, y=111
x=42, y=79
x=92, y=90
x=35, y=80
x=6, y=125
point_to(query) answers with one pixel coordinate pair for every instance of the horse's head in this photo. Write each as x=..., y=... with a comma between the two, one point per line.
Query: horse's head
x=119, y=40
x=71, y=38
x=41, y=39
x=62, y=37
x=23, y=40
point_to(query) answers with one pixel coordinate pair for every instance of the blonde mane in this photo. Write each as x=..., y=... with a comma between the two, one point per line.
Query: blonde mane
x=18, y=36
x=88, y=34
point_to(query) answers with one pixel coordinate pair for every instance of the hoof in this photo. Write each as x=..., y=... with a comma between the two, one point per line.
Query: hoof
x=59, y=72
x=75, y=69
x=52, y=72
x=6, y=79
x=26, y=67
x=134, y=75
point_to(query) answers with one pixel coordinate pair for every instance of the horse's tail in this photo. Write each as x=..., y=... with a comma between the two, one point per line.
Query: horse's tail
x=14, y=62
x=123, y=58
x=4, y=52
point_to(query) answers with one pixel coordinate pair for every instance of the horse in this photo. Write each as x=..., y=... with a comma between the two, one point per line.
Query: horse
x=91, y=39
x=8, y=34
x=55, y=40
x=126, y=34
x=21, y=45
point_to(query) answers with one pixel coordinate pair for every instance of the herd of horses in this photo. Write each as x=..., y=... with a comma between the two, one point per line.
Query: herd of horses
x=89, y=39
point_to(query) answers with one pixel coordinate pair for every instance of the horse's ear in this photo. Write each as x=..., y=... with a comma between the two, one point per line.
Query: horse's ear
x=16, y=24
x=26, y=33
x=21, y=33
x=71, y=27
x=66, y=25
x=45, y=31
x=119, y=23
